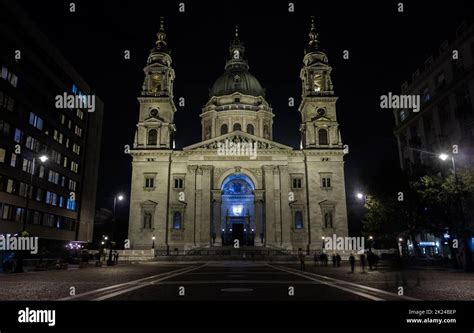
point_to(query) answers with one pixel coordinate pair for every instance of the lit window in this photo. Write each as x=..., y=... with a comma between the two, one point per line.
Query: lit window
x=74, y=166
x=36, y=121
x=27, y=165
x=71, y=204
x=177, y=220
x=18, y=135
x=9, y=76
x=13, y=160
x=2, y=155
x=78, y=131
x=298, y=220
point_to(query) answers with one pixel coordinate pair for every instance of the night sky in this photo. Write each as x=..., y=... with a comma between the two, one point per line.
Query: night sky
x=385, y=47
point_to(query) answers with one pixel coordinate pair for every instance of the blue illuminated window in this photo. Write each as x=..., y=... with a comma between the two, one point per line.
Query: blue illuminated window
x=74, y=89
x=298, y=220
x=18, y=135
x=71, y=204
x=177, y=220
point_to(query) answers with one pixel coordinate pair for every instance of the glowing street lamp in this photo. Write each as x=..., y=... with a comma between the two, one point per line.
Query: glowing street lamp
x=153, y=244
x=360, y=196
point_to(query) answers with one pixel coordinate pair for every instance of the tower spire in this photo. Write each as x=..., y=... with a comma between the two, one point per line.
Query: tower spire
x=161, y=44
x=313, y=37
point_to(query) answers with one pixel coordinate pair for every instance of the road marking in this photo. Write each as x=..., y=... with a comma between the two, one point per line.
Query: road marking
x=331, y=282
x=125, y=284
x=236, y=290
x=188, y=282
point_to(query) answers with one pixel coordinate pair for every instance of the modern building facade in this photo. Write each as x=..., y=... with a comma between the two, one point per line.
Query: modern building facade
x=61, y=202
x=237, y=183
x=445, y=122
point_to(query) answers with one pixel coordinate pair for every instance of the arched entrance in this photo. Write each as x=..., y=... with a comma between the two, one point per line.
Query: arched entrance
x=238, y=210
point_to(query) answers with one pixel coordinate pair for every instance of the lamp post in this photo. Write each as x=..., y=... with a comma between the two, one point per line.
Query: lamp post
x=42, y=158
x=371, y=239
x=153, y=242
x=29, y=193
x=119, y=197
x=464, y=231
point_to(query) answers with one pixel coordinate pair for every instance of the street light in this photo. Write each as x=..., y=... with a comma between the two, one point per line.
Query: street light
x=465, y=232
x=360, y=196
x=29, y=193
x=118, y=197
x=153, y=244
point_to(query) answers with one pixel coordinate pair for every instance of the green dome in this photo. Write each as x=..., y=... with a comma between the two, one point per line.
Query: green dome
x=237, y=81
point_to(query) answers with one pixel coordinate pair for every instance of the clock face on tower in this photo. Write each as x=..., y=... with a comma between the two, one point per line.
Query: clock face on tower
x=318, y=82
x=154, y=112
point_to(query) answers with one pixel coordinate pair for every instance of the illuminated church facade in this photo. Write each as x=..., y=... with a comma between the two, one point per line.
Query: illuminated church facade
x=198, y=196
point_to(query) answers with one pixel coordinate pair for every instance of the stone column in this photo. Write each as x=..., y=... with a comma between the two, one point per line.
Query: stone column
x=285, y=207
x=269, y=205
x=199, y=208
x=277, y=203
x=205, y=218
x=217, y=223
x=259, y=227
x=190, y=192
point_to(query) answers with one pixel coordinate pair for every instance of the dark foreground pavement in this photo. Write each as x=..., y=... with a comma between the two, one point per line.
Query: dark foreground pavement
x=236, y=280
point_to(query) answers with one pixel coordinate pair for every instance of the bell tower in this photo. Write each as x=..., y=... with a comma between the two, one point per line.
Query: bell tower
x=319, y=127
x=156, y=127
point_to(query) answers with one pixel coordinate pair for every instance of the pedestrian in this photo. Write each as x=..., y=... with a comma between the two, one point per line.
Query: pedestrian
x=301, y=257
x=316, y=259
x=362, y=262
x=333, y=260
x=352, y=260
x=370, y=259
x=338, y=260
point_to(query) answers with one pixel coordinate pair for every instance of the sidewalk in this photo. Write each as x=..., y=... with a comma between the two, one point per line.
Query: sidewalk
x=424, y=284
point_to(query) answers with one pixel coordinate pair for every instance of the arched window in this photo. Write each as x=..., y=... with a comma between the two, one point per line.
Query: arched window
x=250, y=128
x=152, y=137
x=298, y=220
x=224, y=129
x=177, y=220
x=237, y=127
x=323, y=137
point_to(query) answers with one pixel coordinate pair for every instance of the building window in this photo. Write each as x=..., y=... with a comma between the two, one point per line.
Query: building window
x=6, y=101
x=177, y=220
x=178, y=183
x=323, y=137
x=36, y=217
x=80, y=114
x=36, y=121
x=41, y=171
x=76, y=148
x=152, y=137
x=237, y=127
x=297, y=183
x=13, y=160
x=224, y=129
x=51, y=198
x=10, y=186
x=19, y=214
x=27, y=165
x=74, y=167
x=149, y=182
x=9, y=76
x=4, y=128
x=39, y=194
x=250, y=129
x=53, y=177
x=22, y=190
x=326, y=182
x=18, y=135
x=328, y=218
x=425, y=93
x=48, y=220
x=32, y=144
x=78, y=131
x=72, y=185
x=6, y=212
x=2, y=155
x=298, y=220
x=71, y=204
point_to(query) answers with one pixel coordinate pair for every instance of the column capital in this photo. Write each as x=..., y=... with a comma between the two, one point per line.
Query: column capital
x=192, y=168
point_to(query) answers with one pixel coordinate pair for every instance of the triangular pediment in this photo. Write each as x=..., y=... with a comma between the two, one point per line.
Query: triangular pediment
x=238, y=137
